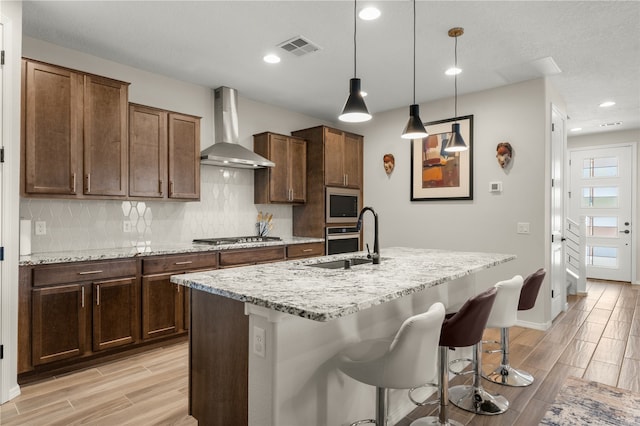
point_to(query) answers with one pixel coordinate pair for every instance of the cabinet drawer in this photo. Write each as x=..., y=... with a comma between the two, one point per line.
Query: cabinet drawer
x=75, y=272
x=181, y=262
x=251, y=257
x=305, y=250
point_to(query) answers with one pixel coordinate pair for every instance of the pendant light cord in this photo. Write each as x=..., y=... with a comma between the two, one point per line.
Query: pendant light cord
x=355, y=45
x=414, y=52
x=455, y=79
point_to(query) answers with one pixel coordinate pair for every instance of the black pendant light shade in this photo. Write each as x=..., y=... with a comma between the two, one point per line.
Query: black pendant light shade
x=414, y=128
x=355, y=110
x=456, y=141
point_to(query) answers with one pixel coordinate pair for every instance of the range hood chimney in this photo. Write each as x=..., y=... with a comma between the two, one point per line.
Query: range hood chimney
x=227, y=151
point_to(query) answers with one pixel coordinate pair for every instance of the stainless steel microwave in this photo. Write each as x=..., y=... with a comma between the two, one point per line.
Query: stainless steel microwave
x=342, y=205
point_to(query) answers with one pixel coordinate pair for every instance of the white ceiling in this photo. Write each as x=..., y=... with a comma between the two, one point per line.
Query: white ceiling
x=595, y=44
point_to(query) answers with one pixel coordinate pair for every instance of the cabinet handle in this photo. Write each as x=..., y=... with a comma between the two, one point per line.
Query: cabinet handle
x=82, y=288
x=73, y=183
x=186, y=262
x=97, y=294
x=160, y=186
x=170, y=188
x=89, y=272
x=346, y=177
x=307, y=250
x=88, y=183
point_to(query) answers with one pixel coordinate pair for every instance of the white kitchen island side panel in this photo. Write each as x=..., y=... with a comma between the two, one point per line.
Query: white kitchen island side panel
x=298, y=383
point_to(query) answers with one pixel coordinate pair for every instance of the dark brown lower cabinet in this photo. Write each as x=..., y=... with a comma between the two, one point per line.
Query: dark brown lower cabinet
x=59, y=323
x=114, y=313
x=162, y=306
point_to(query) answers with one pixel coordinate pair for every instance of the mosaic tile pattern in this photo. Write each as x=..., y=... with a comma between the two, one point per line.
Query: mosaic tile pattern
x=225, y=208
x=583, y=402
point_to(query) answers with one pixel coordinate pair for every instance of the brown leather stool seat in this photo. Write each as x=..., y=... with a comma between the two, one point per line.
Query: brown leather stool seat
x=463, y=328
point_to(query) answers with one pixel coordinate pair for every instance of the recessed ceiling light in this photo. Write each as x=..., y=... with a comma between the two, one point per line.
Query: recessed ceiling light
x=607, y=104
x=271, y=59
x=453, y=71
x=369, y=13
x=576, y=129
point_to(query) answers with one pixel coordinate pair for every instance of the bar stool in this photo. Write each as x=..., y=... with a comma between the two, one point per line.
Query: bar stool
x=475, y=398
x=505, y=374
x=399, y=362
x=460, y=329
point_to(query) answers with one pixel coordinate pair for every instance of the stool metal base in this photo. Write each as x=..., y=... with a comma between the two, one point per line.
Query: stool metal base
x=507, y=375
x=477, y=400
x=433, y=420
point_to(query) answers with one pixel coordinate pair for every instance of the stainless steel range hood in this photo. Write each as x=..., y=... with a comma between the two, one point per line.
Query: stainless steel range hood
x=227, y=151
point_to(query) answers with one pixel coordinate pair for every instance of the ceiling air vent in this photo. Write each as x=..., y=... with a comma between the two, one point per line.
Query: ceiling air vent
x=299, y=46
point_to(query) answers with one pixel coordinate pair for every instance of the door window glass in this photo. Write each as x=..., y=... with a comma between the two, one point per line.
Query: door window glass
x=599, y=197
x=602, y=257
x=602, y=226
x=600, y=167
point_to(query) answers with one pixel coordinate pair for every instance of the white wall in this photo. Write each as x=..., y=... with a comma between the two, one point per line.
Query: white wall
x=11, y=18
x=517, y=114
x=226, y=207
x=612, y=138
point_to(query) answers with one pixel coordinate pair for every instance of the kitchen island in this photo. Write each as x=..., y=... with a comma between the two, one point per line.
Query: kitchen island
x=264, y=338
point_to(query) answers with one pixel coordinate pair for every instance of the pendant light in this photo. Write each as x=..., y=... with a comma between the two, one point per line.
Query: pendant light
x=414, y=128
x=456, y=142
x=354, y=110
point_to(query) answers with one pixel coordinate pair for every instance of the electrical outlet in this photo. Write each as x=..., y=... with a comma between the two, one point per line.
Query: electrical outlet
x=259, y=344
x=41, y=227
x=126, y=226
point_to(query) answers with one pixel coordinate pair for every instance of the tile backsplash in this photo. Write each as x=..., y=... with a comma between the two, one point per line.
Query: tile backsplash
x=225, y=208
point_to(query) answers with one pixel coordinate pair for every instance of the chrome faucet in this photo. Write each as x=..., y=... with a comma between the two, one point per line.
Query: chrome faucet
x=376, y=244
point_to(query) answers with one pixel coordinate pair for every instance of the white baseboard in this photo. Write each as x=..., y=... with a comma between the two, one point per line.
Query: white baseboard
x=535, y=325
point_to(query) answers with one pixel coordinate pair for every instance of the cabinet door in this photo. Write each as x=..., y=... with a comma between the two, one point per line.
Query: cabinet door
x=333, y=157
x=352, y=160
x=114, y=313
x=184, y=157
x=147, y=151
x=105, y=136
x=58, y=321
x=298, y=170
x=53, y=129
x=279, y=184
x=161, y=309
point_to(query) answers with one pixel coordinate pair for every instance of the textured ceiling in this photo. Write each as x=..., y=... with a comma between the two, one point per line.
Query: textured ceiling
x=595, y=44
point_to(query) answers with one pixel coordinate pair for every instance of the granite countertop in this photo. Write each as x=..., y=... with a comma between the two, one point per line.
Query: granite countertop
x=323, y=294
x=158, y=249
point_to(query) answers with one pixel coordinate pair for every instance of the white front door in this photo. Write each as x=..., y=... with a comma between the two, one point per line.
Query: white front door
x=557, y=275
x=601, y=192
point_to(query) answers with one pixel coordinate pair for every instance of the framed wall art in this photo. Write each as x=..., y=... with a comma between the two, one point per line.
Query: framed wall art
x=437, y=174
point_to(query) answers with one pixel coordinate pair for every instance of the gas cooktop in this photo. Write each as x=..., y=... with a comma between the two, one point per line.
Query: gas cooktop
x=234, y=240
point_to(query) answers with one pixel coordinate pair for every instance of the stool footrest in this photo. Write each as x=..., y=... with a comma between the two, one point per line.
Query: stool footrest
x=459, y=360
x=425, y=402
x=364, y=422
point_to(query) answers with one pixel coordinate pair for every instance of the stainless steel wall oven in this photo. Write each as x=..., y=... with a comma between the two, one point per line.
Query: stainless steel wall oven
x=342, y=239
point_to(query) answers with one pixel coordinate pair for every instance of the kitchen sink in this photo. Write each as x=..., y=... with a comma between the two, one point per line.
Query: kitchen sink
x=341, y=264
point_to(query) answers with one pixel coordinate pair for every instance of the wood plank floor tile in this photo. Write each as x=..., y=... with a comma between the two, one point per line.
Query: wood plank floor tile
x=633, y=349
x=630, y=375
x=599, y=315
x=578, y=353
x=617, y=329
x=610, y=350
x=602, y=372
x=590, y=332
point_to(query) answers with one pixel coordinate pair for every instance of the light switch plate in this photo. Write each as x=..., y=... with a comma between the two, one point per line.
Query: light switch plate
x=495, y=186
x=523, y=228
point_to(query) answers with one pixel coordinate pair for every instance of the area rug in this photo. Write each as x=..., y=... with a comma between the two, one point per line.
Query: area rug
x=582, y=402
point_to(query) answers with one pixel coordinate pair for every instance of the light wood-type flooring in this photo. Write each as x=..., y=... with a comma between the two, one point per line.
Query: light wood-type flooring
x=598, y=338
